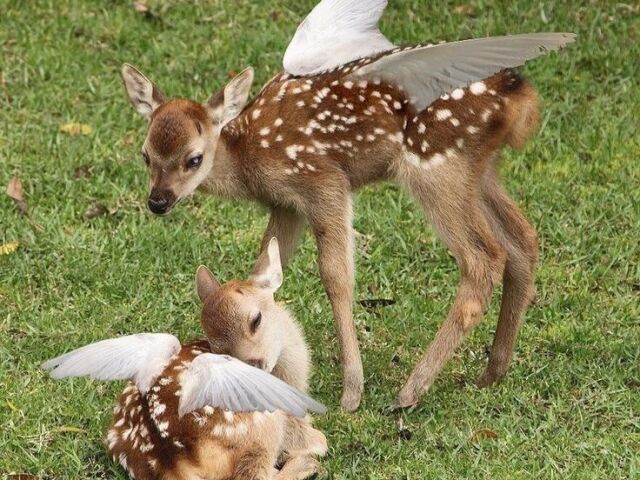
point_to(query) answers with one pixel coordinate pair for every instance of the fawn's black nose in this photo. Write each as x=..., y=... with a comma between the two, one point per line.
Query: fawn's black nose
x=256, y=362
x=158, y=205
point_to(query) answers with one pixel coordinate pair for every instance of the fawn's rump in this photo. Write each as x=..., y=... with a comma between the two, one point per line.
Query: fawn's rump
x=473, y=123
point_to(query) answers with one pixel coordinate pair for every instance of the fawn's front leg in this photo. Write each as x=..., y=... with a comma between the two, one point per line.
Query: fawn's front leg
x=299, y=468
x=332, y=228
x=286, y=225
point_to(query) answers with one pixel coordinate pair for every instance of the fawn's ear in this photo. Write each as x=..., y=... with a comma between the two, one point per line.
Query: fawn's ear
x=229, y=102
x=143, y=94
x=206, y=283
x=267, y=273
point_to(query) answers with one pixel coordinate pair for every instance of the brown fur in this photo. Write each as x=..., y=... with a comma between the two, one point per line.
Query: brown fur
x=303, y=145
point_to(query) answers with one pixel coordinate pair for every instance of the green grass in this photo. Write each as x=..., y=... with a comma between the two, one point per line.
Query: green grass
x=570, y=406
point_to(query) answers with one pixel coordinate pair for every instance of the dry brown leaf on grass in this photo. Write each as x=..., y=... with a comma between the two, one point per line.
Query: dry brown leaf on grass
x=140, y=7
x=14, y=190
x=466, y=9
x=483, y=433
x=83, y=171
x=96, y=210
x=22, y=476
x=76, y=129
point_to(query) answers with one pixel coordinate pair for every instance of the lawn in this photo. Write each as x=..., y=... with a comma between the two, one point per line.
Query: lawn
x=570, y=406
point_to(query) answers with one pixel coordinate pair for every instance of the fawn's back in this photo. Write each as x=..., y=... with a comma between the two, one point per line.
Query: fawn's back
x=303, y=131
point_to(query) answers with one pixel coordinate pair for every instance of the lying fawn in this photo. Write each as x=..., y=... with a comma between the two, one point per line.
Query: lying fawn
x=192, y=415
x=304, y=144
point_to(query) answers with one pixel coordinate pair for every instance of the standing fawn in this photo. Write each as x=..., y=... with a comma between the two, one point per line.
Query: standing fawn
x=193, y=415
x=304, y=144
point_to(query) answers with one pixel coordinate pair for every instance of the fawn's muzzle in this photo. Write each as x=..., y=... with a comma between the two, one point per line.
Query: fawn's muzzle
x=161, y=203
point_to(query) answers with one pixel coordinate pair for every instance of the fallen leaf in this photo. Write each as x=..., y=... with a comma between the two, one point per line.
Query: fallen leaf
x=465, y=9
x=22, y=476
x=9, y=248
x=76, y=129
x=483, y=433
x=66, y=429
x=140, y=7
x=83, y=171
x=96, y=210
x=14, y=190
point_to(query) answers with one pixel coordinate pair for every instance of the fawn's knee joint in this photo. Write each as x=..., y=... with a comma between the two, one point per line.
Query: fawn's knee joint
x=471, y=314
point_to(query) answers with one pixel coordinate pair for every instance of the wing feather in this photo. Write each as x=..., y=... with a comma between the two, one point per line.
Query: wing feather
x=140, y=358
x=425, y=73
x=334, y=33
x=227, y=383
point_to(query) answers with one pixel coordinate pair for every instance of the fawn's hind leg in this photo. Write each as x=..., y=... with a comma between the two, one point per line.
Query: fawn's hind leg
x=452, y=202
x=520, y=240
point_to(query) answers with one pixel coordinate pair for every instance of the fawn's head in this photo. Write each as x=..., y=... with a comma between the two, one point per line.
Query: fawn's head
x=182, y=138
x=241, y=318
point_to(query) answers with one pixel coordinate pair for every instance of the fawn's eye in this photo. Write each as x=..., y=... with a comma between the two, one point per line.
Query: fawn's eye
x=145, y=158
x=194, y=162
x=255, y=322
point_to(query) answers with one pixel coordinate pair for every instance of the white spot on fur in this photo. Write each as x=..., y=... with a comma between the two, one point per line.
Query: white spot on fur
x=412, y=158
x=348, y=85
x=472, y=130
x=422, y=128
x=425, y=146
x=397, y=105
x=158, y=409
x=455, y=122
x=265, y=131
x=443, y=114
x=485, y=115
x=278, y=122
x=457, y=94
x=256, y=114
x=460, y=142
x=292, y=151
x=279, y=138
x=478, y=88
x=434, y=161
x=300, y=103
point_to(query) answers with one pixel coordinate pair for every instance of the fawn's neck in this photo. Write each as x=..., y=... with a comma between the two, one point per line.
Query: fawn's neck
x=293, y=366
x=224, y=180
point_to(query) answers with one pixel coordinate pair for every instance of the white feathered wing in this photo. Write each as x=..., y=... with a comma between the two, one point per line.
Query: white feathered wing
x=337, y=32
x=140, y=358
x=334, y=33
x=227, y=383
x=216, y=380
x=425, y=73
